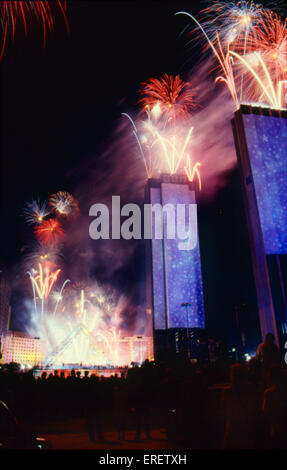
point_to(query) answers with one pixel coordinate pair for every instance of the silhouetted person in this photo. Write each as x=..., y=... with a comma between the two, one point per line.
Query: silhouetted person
x=192, y=401
x=121, y=407
x=268, y=353
x=239, y=405
x=275, y=407
x=94, y=409
x=140, y=399
x=257, y=387
x=43, y=376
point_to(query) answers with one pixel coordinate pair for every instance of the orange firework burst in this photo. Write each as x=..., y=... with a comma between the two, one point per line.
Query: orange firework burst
x=171, y=96
x=49, y=231
x=13, y=11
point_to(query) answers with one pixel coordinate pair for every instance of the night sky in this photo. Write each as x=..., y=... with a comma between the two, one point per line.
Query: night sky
x=59, y=106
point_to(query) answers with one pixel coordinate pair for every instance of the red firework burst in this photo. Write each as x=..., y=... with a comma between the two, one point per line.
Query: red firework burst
x=270, y=41
x=49, y=231
x=12, y=12
x=173, y=95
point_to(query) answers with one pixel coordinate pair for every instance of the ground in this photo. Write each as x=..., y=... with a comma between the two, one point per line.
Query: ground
x=72, y=434
x=81, y=441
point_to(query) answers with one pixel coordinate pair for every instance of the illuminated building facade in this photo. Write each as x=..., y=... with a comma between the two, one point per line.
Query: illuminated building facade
x=23, y=349
x=135, y=349
x=261, y=144
x=174, y=281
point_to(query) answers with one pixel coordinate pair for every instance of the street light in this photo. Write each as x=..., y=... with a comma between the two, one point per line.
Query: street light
x=186, y=305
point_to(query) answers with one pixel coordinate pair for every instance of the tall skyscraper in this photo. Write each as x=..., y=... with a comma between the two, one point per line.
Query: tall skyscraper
x=261, y=144
x=5, y=294
x=174, y=282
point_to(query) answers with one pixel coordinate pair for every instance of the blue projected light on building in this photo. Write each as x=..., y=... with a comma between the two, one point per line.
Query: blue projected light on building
x=158, y=273
x=266, y=138
x=176, y=273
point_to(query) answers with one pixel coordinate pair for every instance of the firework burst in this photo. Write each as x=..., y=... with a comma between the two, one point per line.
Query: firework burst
x=36, y=211
x=266, y=62
x=63, y=203
x=43, y=253
x=49, y=231
x=169, y=96
x=12, y=12
x=255, y=71
x=234, y=21
x=271, y=42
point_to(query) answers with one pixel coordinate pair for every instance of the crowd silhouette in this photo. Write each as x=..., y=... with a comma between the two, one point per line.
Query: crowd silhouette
x=210, y=405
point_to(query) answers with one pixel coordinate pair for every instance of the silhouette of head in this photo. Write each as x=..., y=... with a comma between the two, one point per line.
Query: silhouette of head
x=269, y=338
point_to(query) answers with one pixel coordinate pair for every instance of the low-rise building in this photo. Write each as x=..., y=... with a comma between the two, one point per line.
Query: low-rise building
x=135, y=349
x=22, y=348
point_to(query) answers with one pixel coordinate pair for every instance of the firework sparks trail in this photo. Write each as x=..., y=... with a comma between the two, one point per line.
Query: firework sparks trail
x=192, y=171
x=43, y=281
x=36, y=211
x=111, y=339
x=168, y=96
x=271, y=42
x=59, y=295
x=81, y=310
x=144, y=143
x=173, y=150
x=49, y=231
x=161, y=151
x=12, y=12
x=222, y=56
x=267, y=86
x=267, y=57
x=91, y=321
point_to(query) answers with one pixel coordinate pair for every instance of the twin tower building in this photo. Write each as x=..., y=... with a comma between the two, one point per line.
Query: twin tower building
x=175, y=290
